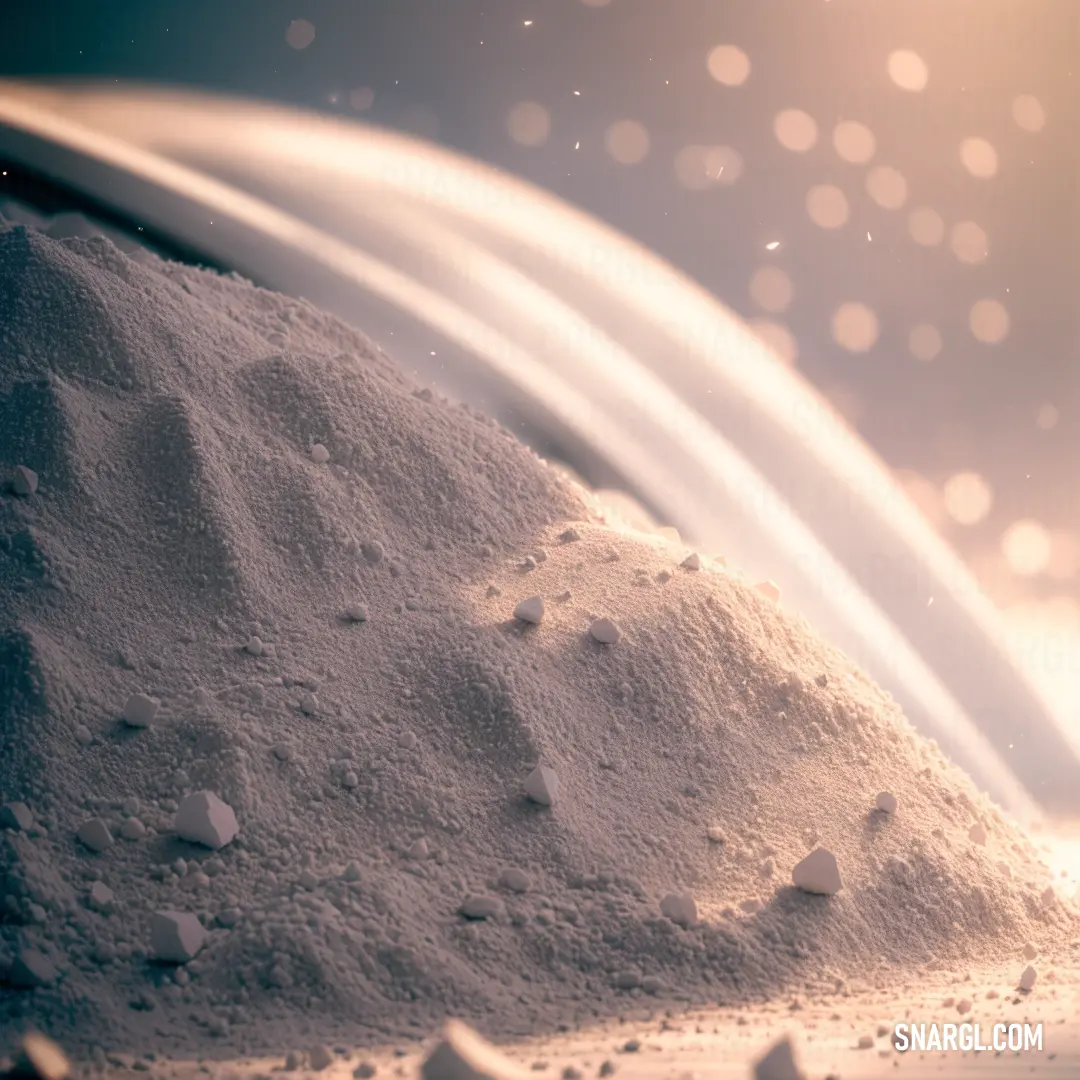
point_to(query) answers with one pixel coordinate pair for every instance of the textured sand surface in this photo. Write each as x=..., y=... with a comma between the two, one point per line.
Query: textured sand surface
x=247, y=514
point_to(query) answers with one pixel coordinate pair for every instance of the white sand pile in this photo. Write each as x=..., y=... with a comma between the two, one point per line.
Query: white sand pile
x=356, y=793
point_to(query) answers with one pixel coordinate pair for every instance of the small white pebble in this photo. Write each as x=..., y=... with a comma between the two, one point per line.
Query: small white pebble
x=254, y=646
x=886, y=802
x=605, y=632
x=176, y=936
x=319, y=454
x=1027, y=978
x=542, y=785
x=356, y=613
x=140, y=710
x=530, y=610
x=769, y=589
x=101, y=896
x=515, y=880
x=818, y=873
x=692, y=561
x=480, y=907
x=203, y=818
x=977, y=833
x=94, y=834
x=419, y=849
x=680, y=908
x=715, y=834
x=283, y=751
x=1030, y=952
x=133, y=829
x=407, y=740
x=24, y=481
x=309, y=704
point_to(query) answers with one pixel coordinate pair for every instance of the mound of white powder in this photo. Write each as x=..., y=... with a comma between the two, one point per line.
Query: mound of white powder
x=309, y=568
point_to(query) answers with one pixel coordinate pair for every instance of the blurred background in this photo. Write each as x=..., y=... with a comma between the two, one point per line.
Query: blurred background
x=886, y=189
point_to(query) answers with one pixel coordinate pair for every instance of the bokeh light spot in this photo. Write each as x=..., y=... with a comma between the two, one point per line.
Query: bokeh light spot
x=529, y=124
x=855, y=326
x=969, y=242
x=701, y=167
x=887, y=187
x=854, y=142
x=1028, y=112
x=979, y=157
x=627, y=142
x=968, y=498
x=926, y=226
x=908, y=70
x=1046, y=417
x=827, y=206
x=989, y=321
x=1026, y=547
x=771, y=288
x=300, y=34
x=795, y=130
x=729, y=65
x=362, y=98
x=924, y=341
x=778, y=337
x=1064, y=560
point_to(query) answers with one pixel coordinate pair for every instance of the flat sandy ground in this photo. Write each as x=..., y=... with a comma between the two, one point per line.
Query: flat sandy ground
x=723, y=1044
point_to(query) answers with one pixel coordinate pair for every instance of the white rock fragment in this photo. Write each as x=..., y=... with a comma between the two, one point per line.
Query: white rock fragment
x=41, y=1058
x=176, y=936
x=680, y=908
x=24, y=481
x=605, y=632
x=461, y=1054
x=480, y=907
x=515, y=880
x=419, y=849
x=205, y=819
x=1027, y=978
x=356, y=613
x=977, y=833
x=140, y=710
x=132, y=829
x=1030, y=952
x=407, y=740
x=769, y=589
x=30, y=969
x=319, y=454
x=715, y=834
x=542, y=785
x=530, y=610
x=94, y=834
x=254, y=646
x=818, y=873
x=778, y=1063
x=309, y=703
x=692, y=561
x=17, y=816
x=886, y=802
x=101, y=896
x=322, y=1057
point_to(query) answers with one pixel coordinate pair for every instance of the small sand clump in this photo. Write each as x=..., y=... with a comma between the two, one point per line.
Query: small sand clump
x=412, y=807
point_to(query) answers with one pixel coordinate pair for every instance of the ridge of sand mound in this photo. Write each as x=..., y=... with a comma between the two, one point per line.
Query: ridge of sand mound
x=247, y=514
